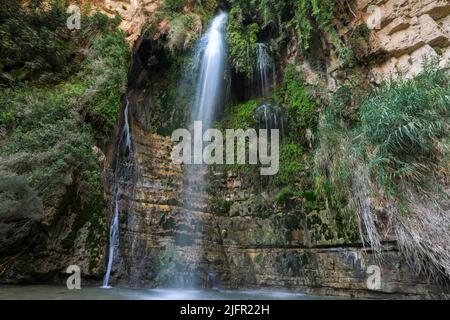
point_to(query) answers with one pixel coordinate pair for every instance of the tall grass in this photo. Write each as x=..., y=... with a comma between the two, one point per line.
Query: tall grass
x=391, y=168
x=403, y=123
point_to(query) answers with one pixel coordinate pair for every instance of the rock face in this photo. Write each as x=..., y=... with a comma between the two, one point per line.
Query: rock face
x=135, y=15
x=244, y=242
x=234, y=235
x=407, y=32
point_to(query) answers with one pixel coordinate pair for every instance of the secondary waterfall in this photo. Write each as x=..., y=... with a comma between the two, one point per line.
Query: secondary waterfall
x=121, y=174
x=268, y=116
x=265, y=69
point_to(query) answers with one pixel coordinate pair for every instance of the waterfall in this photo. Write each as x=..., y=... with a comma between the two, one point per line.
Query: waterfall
x=209, y=67
x=121, y=174
x=113, y=236
x=264, y=66
x=267, y=116
x=270, y=117
x=212, y=54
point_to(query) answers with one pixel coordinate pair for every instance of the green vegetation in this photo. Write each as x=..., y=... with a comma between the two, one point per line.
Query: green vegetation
x=302, y=115
x=175, y=6
x=246, y=21
x=241, y=40
x=220, y=206
x=359, y=45
x=241, y=116
x=33, y=46
x=399, y=133
x=251, y=21
x=290, y=164
x=405, y=125
x=301, y=109
x=312, y=13
x=60, y=94
x=396, y=142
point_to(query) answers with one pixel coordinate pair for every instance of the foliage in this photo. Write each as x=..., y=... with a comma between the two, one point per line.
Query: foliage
x=321, y=11
x=311, y=15
x=50, y=128
x=241, y=42
x=399, y=143
x=301, y=109
x=359, y=44
x=241, y=116
x=183, y=32
x=403, y=122
x=284, y=196
x=333, y=169
x=186, y=22
x=220, y=206
x=247, y=20
x=290, y=164
x=174, y=6
x=33, y=44
x=105, y=78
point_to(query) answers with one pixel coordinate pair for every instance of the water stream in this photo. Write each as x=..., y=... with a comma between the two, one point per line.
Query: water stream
x=210, y=85
x=121, y=175
x=268, y=116
x=265, y=69
x=210, y=60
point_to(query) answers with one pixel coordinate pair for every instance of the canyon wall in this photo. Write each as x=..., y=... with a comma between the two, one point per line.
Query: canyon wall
x=240, y=238
x=405, y=32
x=245, y=242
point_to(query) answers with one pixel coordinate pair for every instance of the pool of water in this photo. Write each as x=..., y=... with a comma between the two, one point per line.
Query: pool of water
x=45, y=292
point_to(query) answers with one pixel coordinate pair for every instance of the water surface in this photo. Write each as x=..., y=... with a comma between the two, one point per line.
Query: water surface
x=47, y=292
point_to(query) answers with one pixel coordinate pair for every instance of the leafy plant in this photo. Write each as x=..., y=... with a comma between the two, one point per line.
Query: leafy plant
x=241, y=42
x=403, y=122
x=174, y=6
x=50, y=129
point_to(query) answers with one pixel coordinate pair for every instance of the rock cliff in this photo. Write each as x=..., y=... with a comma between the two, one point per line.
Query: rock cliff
x=241, y=236
x=245, y=238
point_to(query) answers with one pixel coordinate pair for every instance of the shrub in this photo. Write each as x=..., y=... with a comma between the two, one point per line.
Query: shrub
x=241, y=42
x=290, y=164
x=403, y=122
x=33, y=45
x=50, y=130
x=174, y=6
x=302, y=111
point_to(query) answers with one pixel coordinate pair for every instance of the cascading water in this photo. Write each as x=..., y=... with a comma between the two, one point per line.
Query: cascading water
x=264, y=67
x=121, y=174
x=210, y=60
x=210, y=85
x=270, y=117
x=267, y=116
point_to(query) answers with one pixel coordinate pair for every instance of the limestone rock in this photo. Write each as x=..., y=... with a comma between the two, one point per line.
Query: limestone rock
x=405, y=31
